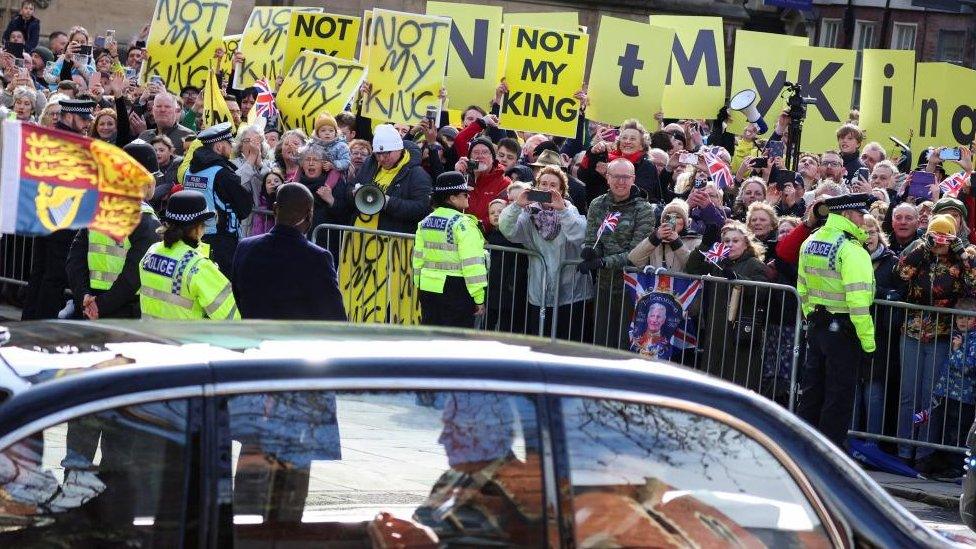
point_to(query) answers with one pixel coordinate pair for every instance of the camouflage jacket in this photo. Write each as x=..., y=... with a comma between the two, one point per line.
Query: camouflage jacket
x=635, y=223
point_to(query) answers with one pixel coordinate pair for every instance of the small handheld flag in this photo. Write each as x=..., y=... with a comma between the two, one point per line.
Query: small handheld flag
x=717, y=253
x=609, y=224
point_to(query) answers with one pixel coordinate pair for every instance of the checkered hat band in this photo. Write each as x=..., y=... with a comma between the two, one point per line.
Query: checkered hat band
x=848, y=206
x=461, y=188
x=184, y=217
x=223, y=136
x=77, y=109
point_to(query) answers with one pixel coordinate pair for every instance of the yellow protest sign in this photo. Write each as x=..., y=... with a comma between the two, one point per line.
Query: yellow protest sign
x=407, y=62
x=364, y=30
x=231, y=43
x=472, y=64
x=627, y=74
x=762, y=63
x=316, y=83
x=887, y=84
x=215, y=109
x=556, y=20
x=944, y=108
x=324, y=33
x=376, y=278
x=182, y=40
x=827, y=76
x=544, y=70
x=263, y=44
x=695, y=84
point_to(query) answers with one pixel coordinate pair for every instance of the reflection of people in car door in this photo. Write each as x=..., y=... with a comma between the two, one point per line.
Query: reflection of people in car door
x=280, y=435
x=488, y=494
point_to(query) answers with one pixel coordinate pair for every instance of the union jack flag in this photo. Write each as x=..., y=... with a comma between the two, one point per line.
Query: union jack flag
x=921, y=417
x=718, y=170
x=953, y=184
x=264, y=104
x=609, y=224
x=716, y=253
x=684, y=291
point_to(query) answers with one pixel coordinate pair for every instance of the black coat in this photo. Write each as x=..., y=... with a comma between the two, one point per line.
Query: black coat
x=280, y=275
x=121, y=300
x=409, y=193
x=30, y=29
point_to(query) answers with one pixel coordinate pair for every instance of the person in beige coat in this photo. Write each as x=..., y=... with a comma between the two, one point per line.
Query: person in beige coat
x=670, y=245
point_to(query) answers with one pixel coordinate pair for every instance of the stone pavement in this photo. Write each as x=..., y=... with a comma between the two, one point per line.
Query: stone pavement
x=932, y=492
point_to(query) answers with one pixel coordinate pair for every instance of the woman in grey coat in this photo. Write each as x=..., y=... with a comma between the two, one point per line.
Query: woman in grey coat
x=555, y=230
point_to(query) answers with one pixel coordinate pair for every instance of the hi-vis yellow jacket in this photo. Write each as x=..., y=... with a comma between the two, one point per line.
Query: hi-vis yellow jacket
x=835, y=271
x=449, y=243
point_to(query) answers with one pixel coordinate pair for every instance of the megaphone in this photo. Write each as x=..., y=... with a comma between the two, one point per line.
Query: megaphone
x=745, y=102
x=369, y=199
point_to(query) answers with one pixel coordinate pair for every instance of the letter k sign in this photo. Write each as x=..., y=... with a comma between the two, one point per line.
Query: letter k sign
x=815, y=87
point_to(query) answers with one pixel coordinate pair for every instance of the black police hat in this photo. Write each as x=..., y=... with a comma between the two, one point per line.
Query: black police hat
x=144, y=154
x=860, y=202
x=84, y=108
x=187, y=208
x=449, y=183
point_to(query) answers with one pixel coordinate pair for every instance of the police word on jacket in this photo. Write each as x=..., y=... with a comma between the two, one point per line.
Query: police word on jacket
x=179, y=281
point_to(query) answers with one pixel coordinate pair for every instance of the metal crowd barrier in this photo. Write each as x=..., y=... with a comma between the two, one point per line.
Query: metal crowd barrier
x=16, y=258
x=909, y=393
x=746, y=332
x=376, y=279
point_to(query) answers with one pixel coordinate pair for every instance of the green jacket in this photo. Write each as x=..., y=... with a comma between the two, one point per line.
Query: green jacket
x=635, y=224
x=835, y=271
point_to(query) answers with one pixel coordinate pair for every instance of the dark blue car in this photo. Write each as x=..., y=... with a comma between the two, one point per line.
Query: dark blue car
x=317, y=435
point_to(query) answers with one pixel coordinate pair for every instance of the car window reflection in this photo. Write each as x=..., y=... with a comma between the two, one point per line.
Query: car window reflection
x=645, y=474
x=386, y=469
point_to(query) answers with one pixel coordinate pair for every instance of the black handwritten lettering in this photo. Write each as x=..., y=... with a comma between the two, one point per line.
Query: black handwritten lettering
x=181, y=52
x=929, y=110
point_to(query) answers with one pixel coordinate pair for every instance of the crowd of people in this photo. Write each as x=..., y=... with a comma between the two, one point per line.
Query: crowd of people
x=615, y=196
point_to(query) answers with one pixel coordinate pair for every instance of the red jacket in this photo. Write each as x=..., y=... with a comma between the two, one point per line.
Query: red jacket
x=487, y=187
x=788, y=247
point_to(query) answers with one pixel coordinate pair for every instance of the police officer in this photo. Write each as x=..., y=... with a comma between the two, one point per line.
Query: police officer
x=179, y=282
x=836, y=286
x=449, y=258
x=104, y=274
x=212, y=174
x=48, y=279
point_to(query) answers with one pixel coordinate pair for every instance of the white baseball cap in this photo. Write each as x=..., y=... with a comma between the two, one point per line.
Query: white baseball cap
x=386, y=138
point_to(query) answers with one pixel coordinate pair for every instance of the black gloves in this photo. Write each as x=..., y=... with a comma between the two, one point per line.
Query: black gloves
x=588, y=253
x=957, y=246
x=728, y=273
x=590, y=265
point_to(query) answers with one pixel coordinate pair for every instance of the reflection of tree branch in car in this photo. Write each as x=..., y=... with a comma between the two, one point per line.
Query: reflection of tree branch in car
x=662, y=432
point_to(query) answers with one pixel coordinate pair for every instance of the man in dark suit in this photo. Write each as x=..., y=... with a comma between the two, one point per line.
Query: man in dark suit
x=283, y=276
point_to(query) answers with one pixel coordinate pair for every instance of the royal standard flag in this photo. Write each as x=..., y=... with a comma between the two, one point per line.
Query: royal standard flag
x=55, y=180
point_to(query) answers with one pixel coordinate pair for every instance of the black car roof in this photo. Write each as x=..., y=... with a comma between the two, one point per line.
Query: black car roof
x=146, y=356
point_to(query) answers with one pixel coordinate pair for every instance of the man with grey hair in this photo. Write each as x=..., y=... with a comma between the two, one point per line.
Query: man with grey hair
x=166, y=113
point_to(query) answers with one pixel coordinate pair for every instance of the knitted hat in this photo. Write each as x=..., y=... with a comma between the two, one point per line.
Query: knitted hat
x=45, y=53
x=483, y=141
x=949, y=203
x=942, y=224
x=326, y=119
x=386, y=138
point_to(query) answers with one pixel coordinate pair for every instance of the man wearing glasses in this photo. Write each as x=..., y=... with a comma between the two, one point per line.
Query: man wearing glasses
x=616, y=223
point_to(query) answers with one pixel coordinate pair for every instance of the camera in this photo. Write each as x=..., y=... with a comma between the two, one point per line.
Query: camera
x=431, y=113
x=472, y=166
x=760, y=162
x=950, y=153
